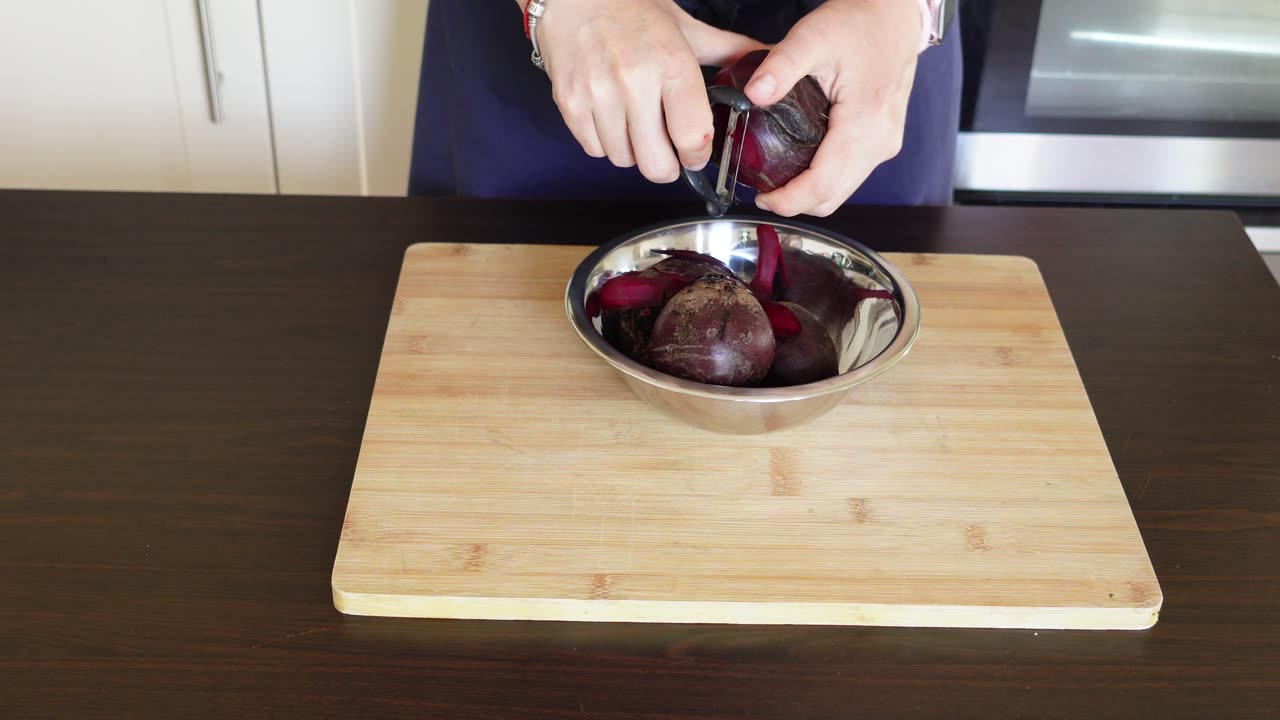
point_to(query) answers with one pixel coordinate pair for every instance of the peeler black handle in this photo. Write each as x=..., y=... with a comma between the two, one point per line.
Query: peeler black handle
x=699, y=180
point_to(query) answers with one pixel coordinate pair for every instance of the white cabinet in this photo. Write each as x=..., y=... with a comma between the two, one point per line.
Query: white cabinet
x=344, y=92
x=317, y=96
x=113, y=96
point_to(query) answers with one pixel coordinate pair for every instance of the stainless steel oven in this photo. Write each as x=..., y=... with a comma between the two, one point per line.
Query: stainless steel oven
x=1149, y=102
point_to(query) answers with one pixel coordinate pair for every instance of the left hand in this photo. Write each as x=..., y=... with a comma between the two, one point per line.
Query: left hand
x=863, y=54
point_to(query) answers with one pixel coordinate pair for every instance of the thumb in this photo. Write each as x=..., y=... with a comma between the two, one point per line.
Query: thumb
x=785, y=66
x=715, y=47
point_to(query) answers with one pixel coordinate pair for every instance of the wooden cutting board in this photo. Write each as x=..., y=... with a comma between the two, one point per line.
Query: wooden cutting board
x=507, y=473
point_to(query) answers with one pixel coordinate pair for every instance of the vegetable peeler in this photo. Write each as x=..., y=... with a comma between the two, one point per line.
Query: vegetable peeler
x=722, y=195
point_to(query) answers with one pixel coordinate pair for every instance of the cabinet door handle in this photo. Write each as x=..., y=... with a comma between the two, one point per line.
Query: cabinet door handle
x=212, y=76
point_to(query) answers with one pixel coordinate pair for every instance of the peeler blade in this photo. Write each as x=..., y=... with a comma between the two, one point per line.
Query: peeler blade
x=730, y=161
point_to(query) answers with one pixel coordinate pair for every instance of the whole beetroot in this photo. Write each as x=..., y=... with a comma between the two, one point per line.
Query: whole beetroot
x=628, y=328
x=819, y=286
x=779, y=140
x=713, y=331
x=687, y=269
x=806, y=357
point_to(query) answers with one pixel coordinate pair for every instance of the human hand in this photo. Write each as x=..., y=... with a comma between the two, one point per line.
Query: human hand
x=626, y=77
x=863, y=54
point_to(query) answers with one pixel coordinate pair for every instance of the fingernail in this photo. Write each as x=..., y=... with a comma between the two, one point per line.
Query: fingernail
x=699, y=166
x=760, y=203
x=762, y=86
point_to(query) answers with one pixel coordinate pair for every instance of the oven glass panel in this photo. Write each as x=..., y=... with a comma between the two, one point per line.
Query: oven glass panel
x=1171, y=60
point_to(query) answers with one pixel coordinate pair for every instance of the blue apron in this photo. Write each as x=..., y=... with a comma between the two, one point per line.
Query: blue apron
x=487, y=126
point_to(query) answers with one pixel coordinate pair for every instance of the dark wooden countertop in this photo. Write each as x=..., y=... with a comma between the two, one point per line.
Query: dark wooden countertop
x=183, y=387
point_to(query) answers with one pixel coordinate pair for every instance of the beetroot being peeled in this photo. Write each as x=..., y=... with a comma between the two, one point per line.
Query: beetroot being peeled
x=713, y=331
x=805, y=357
x=779, y=141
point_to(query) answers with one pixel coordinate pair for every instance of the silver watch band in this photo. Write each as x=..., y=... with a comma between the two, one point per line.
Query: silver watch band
x=943, y=18
x=936, y=18
x=535, y=10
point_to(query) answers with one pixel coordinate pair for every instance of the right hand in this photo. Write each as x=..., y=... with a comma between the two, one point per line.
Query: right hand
x=626, y=77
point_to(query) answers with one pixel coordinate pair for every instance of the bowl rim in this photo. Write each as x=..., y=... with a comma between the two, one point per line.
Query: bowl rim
x=908, y=330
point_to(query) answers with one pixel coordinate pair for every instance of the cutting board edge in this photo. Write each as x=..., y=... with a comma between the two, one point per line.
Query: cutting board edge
x=744, y=613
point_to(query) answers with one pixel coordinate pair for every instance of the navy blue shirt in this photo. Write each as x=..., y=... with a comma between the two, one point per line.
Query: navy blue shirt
x=487, y=126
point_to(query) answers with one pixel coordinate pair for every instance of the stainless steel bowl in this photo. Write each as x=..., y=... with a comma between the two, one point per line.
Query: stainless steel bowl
x=844, y=283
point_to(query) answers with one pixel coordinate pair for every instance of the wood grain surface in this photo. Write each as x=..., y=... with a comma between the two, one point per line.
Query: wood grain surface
x=184, y=383
x=507, y=473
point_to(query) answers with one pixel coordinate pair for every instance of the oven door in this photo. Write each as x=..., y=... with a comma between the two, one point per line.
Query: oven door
x=1177, y=100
